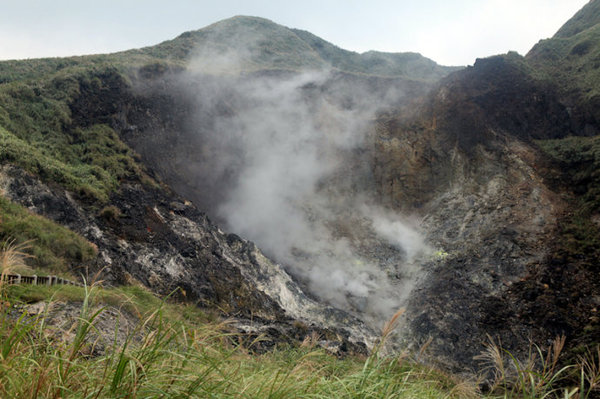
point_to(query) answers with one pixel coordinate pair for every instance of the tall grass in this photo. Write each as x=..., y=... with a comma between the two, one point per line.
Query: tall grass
x=12, y=259
x=174, y=352
x=171, y=358
x=12, y=256
x=540, y=374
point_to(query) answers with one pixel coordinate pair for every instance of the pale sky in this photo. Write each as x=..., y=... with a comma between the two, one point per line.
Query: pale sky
x=451, y=32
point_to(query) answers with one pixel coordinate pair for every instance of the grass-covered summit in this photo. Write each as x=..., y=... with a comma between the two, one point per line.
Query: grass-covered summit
x=252, y=43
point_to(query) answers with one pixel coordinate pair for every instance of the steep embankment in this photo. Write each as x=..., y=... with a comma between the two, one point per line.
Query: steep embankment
x=571, y=59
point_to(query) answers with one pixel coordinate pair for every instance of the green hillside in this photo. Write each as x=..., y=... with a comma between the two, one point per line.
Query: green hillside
x=252, y=43
x=571, y=59
x=586, y=18
x=38, y=132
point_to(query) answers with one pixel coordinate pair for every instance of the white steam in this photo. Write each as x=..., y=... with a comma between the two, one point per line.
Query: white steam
x=287, y=154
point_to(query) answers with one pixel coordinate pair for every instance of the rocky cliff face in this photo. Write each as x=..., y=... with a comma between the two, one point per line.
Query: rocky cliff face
x=467, y=161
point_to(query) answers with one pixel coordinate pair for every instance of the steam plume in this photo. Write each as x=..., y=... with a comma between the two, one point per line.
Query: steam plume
x=284, y=162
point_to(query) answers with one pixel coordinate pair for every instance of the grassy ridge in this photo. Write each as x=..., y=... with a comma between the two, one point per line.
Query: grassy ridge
x=252, y=43
x=571, y=58
x=572, y=62
x=408, y=65
x=585, y=18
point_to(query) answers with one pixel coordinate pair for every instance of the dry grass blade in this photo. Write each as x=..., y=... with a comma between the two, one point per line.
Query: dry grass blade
x=390, y=325
x=493, y=362
x=589, y=365
x=537, y=375
x=424, y=347
x=311, y=341
x=13, y=255
x=552, y=355
x=388, y=328
x=465, y=389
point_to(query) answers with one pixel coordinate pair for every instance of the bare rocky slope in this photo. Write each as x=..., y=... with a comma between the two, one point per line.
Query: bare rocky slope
x=506, y=247
x=165, y=243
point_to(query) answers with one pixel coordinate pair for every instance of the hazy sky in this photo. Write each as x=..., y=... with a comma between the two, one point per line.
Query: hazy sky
x=451, y=32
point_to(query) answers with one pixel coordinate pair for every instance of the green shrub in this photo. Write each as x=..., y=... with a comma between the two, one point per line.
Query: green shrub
x=110, y=212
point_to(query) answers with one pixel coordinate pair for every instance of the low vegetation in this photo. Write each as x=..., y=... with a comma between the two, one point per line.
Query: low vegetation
x=571, y=59
x=408, y=65
x=579, y=158
x=178, y=350
x=38, y=132
x=572, y=62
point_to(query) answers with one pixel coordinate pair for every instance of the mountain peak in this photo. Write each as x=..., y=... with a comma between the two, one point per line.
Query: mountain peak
x=248, y=43
x=243, y=43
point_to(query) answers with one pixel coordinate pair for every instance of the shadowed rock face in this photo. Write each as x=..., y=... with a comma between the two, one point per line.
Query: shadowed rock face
x=498, y=93
x=467, y=162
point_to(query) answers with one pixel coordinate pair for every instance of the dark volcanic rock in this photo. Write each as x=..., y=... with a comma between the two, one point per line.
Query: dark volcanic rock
x=497, y=94
x=467, y=164
x=165, y=243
